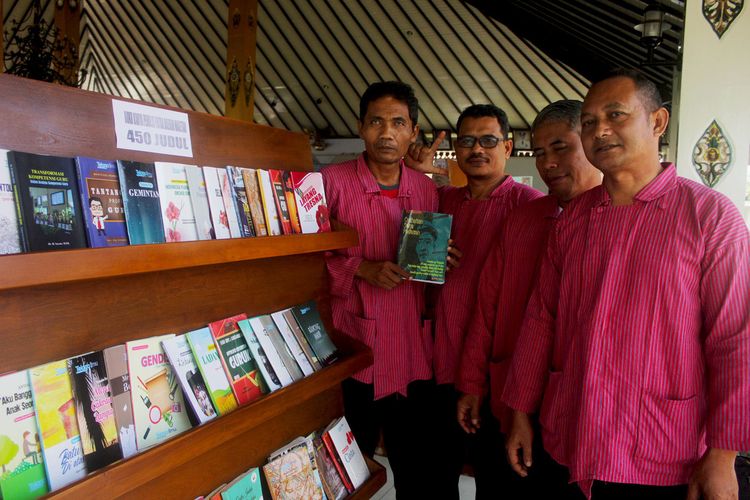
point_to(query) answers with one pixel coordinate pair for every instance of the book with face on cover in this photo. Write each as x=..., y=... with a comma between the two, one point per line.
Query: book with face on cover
x=58, y=426
x=101, y=201
x=20, y=453
x=191, y=381
x=140, y=198
x=423, y=245
x=310, y=196
x=254, y=201
x=271, y=214
x=219, y=217
x=199, y=200
x=259, y=355
x=116, y=361
x=206, y=356
x=176, y=205
x=9, y=239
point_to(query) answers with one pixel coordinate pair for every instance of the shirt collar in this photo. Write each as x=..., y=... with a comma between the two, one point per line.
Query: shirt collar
x=500, y=190
x=664, y=182
x=370, y=184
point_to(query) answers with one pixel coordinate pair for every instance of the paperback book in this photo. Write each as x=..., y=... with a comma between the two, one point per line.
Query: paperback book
x=199, y=201
x=176, y=205
x=206, y=356
x=230, y=203
x=308, y=318
x=9, y=240
x=301, y=339
x=245, y=487
x=279, y=197
x=254, y=201
x=311, y=202
x=290, y=476
x=423, y=245
x=348, y=451
x=273, y=222
x=259, y=355
x=219, y=218
x=281, y=347
x=291, y=342
x=191, y=381
x=140, y=198
x=332, y=484
x=48, y=202
x=101, y=201
x=94, y=411
x=291, y=201
x=261, y=333
x=237, y=183
x=116, y=362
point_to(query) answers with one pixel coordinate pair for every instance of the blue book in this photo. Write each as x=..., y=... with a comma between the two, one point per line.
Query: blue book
x=140, y=198
x=101, y=202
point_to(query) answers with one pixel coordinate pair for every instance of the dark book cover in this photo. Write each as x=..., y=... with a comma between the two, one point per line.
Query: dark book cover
x=280, y=199
x=423, y=245
x=309, y=321
x=48, y=202
x=94, y=410
x=140, y=198
x=101, y=202
x=291, y=201
x=240, y=196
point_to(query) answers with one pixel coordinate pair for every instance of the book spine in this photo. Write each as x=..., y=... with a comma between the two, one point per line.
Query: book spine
x=24, y=240
x=337, y=461
x=246, y=224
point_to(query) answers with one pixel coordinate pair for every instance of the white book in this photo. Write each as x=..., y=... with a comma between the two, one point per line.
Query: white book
x=176, y=206
x=216, y=203
x=281, y=348
x=273, y=223
x=9, y=240
x=191, y=381
x=230, y=205
x=199, y=199
x=264, y=339
x=291, y=341
x=349, y=452
x=259, y=355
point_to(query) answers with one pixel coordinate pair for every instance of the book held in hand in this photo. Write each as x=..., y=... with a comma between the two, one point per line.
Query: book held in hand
x=423, y=245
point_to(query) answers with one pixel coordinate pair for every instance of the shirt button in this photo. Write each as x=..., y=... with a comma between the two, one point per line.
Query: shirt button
x=599, y=210
x=408, y=191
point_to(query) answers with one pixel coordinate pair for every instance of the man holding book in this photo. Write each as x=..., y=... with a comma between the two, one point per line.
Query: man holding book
x=371, y=299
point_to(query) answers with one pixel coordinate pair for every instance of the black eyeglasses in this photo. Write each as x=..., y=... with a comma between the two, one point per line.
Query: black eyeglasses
x=486, y=141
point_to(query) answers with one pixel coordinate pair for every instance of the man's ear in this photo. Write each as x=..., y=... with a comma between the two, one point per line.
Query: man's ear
x=661, y=120
x=508, y=148
x=415, y=133
x=359, y=129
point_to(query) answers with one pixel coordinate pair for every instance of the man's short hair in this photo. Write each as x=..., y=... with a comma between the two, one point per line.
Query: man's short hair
x=482, y=111
x=644, y=85
x=567, y=111
x=398, y=90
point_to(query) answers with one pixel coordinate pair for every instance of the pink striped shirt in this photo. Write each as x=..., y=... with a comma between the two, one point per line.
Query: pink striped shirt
x=640, y=329
x=475, y=228
x=390, y=322
x=505, y=286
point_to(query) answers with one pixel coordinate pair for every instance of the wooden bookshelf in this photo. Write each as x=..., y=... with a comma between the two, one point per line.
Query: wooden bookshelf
x=58, y=304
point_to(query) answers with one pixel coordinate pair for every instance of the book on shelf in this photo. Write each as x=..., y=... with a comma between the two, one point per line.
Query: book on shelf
x=58, y=427
x=101, y=202
x=308, y=318
x=176, y=205
x=199, y=201
x=239, y=366
x=279, y=197
x=291, y=321
x=159, y=409
x=273, y=221
x=9, y=239
x=189, y=377
x=264, y=339
x=423, y=245
x=237, y=183
x=252, y=190
x=246, y=486
x=94, y=411
x=333, y=485
x=348, y=452
x=291, y=475
x=259, y=355
x=206, y=357
x=116, y=362
x=291, y=200
x=140, y=198
x=291, y=343
x=230, y=203
x=219, y=218
x=20, y=449
x=47, y=201
x=282, y=349
x=310, y=195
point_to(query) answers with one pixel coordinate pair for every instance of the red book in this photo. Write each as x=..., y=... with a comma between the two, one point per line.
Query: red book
x=279, y=197
x=236, y=359
x=337, y=461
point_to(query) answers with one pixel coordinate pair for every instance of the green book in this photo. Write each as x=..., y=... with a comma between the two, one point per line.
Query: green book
x=309, y=321
x=423, y=245
x=207, y=358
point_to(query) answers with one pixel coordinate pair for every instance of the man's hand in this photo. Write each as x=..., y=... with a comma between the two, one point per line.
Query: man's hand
x=714, y=477
x=454, y=257
x=420, y=156
x=468, y=413
x=519, y=440
x=383, y=274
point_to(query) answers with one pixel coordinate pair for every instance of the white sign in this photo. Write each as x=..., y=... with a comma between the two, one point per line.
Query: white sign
x=151, y=129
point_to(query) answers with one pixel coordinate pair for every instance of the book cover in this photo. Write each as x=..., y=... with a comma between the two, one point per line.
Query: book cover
x=94, y=411
x=189, y=377
x=116, y=362
x=254, y=201
x=264, y=339
x=176, y=205
x=308, y=318
x=206, y=357
x=292, y=343
x=273, y=222
x=290, y=476
x=10, y=242
x=48, y=203
x=423, y=245
x=279, y=197
x=234, y=353
x=310, y=195
x=282, y=349
x=291, y=201
x=332, y=484
x=230, y=204
x=20, y=449
x=199, y=201
x=331, y=449
x=349, y=452
x=101, y=202
x=219, y=218
x=259, y=355
x=237, y=183
x=301, y=339
x=159, y=409
x=245, y=487
x=140, y=198
x=58, y=427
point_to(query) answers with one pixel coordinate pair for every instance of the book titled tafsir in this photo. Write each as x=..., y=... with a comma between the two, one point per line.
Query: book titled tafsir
x=423, y=245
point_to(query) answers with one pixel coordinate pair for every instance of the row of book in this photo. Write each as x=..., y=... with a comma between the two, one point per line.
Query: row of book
x=96, y=408
x=326, y=465
x=52, y=203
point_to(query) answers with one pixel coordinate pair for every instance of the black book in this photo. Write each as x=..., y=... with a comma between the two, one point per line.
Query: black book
x=309, y=321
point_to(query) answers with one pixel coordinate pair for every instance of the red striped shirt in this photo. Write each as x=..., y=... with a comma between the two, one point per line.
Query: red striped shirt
x=640, y=329
x=390, y=322
x=475, y=228
x=504, y=290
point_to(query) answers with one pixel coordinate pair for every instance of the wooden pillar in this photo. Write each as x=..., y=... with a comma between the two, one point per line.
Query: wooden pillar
x=68, y=23
x=240, y=76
